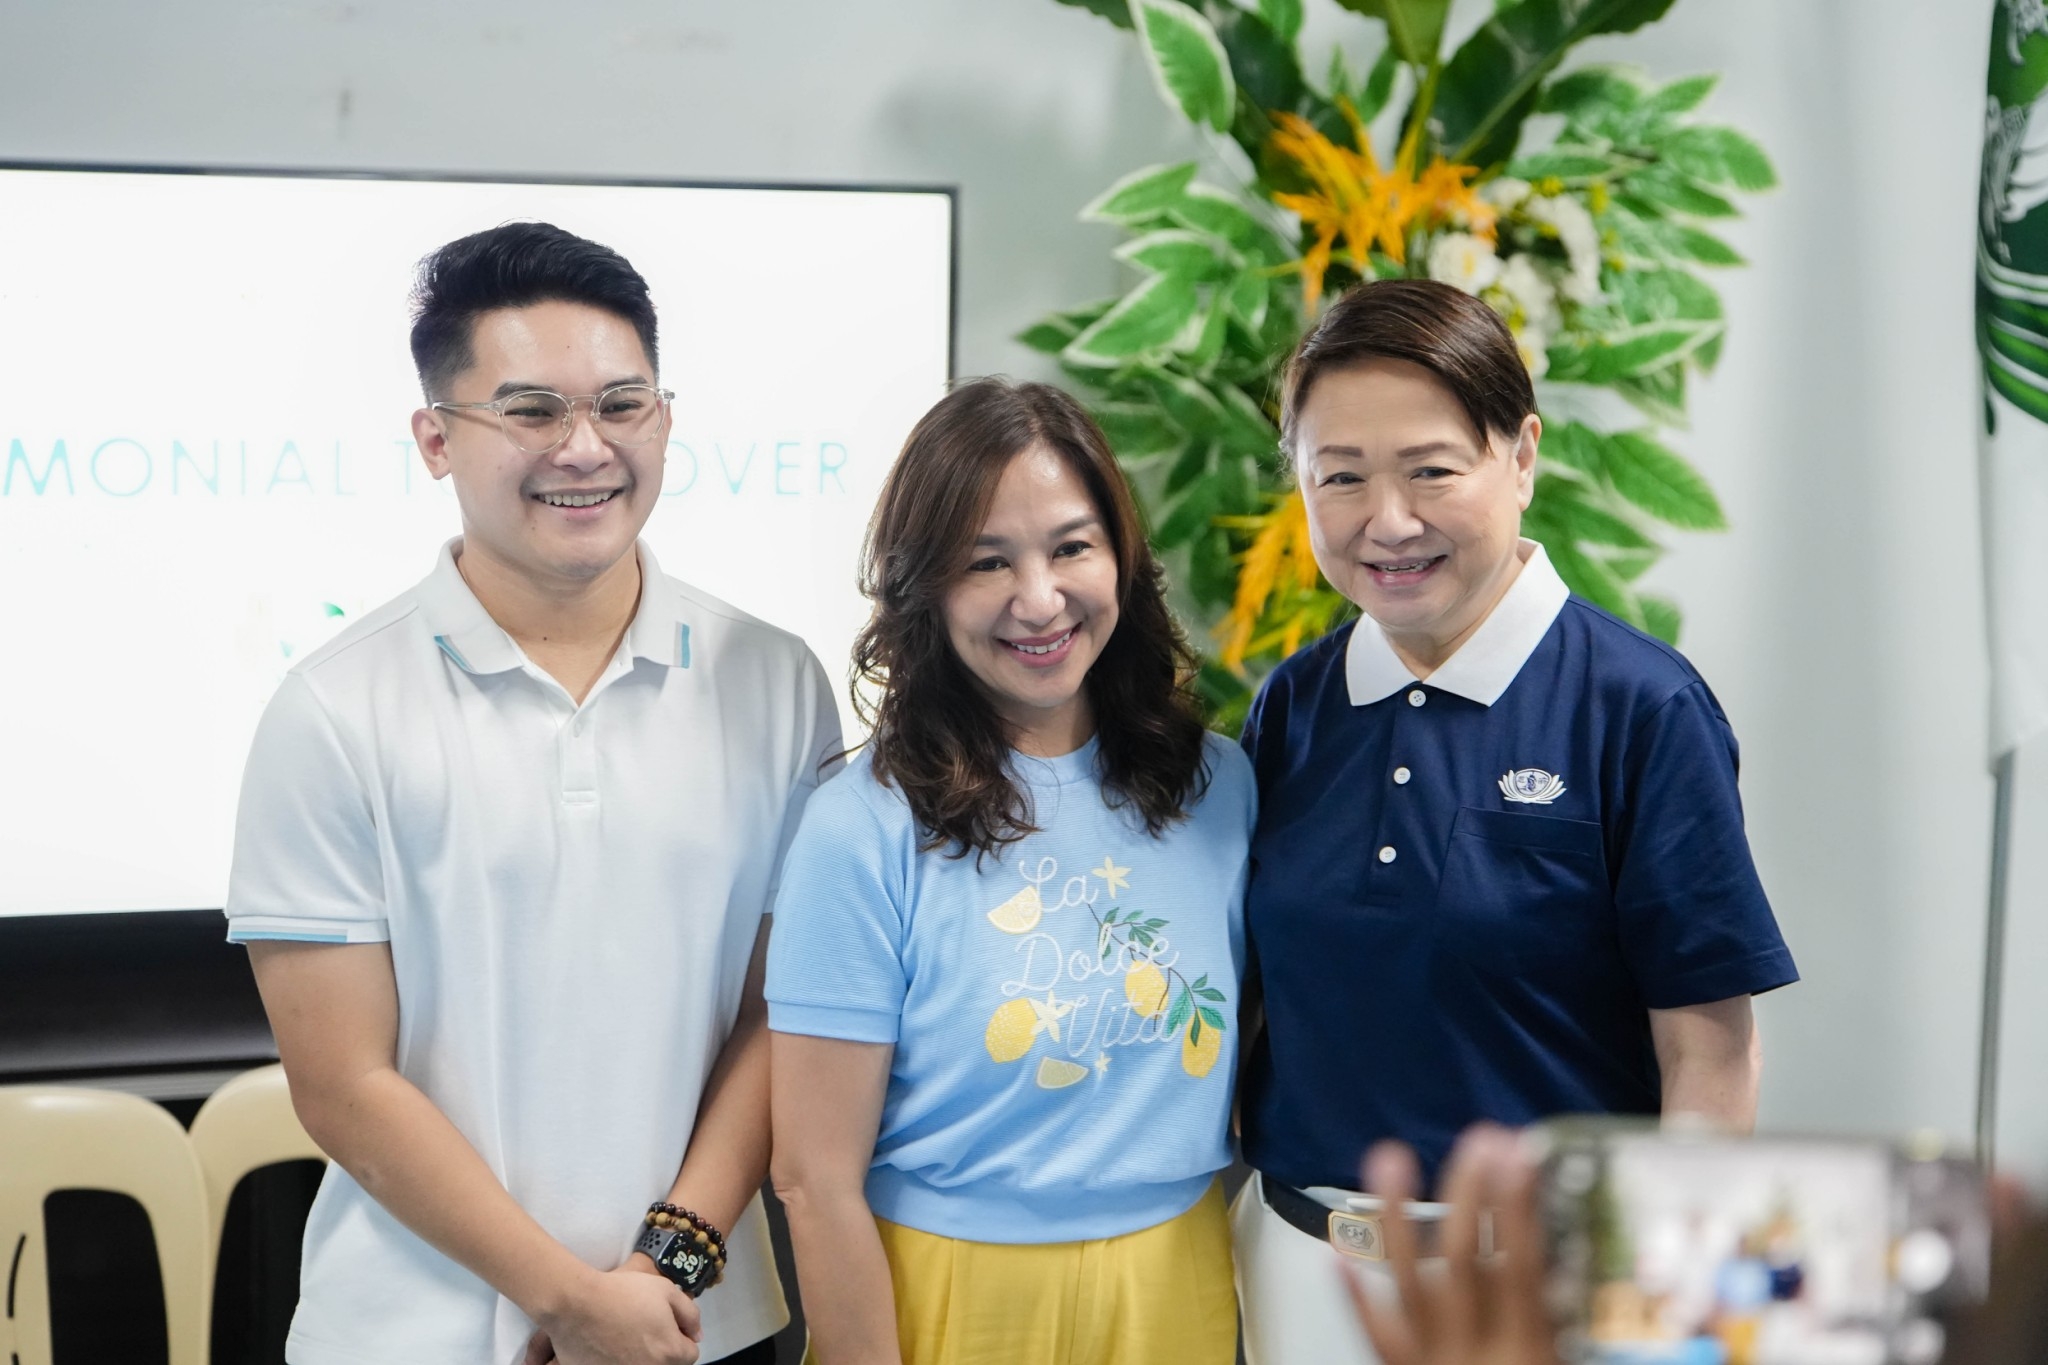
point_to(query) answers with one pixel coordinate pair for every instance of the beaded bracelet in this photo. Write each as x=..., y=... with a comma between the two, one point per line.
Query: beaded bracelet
x=674, y=1217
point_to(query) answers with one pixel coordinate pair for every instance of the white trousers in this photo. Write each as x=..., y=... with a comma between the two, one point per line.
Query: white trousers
x=1290, y=1290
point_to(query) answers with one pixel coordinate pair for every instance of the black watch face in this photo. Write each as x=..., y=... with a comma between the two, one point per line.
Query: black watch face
x=683, y=1257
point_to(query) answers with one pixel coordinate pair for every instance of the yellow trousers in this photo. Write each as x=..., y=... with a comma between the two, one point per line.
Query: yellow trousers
x=1160, y=1296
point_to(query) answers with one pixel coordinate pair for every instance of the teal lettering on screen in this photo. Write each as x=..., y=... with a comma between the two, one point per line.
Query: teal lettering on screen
x=220, y=468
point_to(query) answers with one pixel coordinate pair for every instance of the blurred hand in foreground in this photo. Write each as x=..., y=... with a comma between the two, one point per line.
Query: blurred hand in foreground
x=1472, y=1309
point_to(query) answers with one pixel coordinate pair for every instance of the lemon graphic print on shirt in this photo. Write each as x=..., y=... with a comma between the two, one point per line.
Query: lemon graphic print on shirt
x=1137, y=993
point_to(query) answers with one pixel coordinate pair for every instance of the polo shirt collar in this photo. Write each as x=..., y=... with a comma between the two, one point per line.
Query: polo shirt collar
x=477, y=644
x=1487, y=662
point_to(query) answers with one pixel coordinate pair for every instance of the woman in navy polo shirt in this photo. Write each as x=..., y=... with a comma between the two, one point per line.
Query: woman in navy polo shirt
x=1500, y=870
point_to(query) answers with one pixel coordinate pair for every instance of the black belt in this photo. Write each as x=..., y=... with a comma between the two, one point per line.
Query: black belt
x=1354, y=1234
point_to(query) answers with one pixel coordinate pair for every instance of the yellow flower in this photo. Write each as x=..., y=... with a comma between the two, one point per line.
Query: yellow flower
x=1352, y=198
x=1280, y=559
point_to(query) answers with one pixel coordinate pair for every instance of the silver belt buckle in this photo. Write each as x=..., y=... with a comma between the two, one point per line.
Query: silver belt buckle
x=1357, y=1234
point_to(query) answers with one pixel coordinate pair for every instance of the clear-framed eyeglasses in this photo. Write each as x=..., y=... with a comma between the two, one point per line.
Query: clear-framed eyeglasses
x=539, y=420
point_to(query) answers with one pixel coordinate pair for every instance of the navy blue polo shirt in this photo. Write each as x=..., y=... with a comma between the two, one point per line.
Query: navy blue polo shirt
x=1466, y=893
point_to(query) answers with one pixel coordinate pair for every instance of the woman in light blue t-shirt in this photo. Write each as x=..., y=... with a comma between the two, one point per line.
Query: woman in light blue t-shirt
x=1003, y=979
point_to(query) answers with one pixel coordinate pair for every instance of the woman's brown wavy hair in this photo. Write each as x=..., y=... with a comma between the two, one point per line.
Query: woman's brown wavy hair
x=936, y=737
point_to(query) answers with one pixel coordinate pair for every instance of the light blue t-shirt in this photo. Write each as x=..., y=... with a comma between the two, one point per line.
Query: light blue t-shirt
x=1064, y=1013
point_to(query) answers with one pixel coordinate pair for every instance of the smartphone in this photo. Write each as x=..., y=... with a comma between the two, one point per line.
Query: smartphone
x=1676, y=1248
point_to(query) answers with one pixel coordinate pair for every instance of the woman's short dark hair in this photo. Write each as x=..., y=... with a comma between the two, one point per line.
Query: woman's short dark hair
x=936, y=736
x=1445, y=330
x=514, y=266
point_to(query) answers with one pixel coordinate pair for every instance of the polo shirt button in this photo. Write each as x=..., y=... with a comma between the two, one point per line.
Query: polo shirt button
x=1416, y=698
x=578, y=727
x=1401, y=776
x=1387, y=854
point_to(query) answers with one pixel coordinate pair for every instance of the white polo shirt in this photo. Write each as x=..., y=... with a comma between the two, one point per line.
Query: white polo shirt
x=571, y=894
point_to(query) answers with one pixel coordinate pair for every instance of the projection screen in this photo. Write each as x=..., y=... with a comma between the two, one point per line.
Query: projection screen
x=208, y=467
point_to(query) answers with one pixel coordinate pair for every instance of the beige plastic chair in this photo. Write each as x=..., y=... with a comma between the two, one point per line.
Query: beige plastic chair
x=246, y=1124
x=63, y=1138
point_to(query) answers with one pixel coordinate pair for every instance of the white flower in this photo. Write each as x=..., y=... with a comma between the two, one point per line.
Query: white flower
x=1504, y=192
x=1529, y=290
x=1463, y=260
x=1535, y=349
x=1574, y=227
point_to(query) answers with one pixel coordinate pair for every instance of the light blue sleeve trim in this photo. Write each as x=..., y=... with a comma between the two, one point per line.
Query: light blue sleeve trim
x=259, y=935
x=834, y=1021
x=287, y=929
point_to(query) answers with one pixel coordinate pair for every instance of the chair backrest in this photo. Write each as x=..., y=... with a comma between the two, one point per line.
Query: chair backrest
x=64, y=1138
x=246, y=1124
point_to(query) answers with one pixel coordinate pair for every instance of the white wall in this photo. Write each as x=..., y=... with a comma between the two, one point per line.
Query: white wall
x=1840, y=621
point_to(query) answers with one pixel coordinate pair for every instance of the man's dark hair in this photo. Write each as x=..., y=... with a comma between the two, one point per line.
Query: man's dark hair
x=514, y=266
x=1444, y=330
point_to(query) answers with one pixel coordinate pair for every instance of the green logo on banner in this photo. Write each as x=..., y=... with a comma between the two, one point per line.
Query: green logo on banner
x=2012, y=246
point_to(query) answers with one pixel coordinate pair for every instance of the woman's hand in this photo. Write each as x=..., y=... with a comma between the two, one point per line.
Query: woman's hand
x=1474, y=1309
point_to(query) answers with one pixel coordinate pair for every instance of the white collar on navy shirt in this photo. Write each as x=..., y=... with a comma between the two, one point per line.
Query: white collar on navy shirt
x=478, y=644
x=1488, y=660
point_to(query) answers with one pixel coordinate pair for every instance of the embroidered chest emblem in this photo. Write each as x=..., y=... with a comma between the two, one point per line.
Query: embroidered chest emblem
x=1531, y=786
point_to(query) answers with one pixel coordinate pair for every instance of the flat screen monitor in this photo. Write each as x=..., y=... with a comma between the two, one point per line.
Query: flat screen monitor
x=206, y=467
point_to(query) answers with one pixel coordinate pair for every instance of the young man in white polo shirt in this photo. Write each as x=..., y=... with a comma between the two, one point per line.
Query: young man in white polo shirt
x=502, y=860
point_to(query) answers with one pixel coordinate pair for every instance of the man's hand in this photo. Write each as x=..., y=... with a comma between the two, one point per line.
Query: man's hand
x=630, y=1316
x=1482, y=1310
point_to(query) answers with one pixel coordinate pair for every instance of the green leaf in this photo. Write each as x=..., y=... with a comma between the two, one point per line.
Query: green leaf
x=1415, y=28
x=1212, y=570
x=1210, y=993
x=1682, y=95
x=1187, y=60
x=1630, y=351
x=1118, y=12
x=1265, y=68
x=1174, y=251
x=1177, y=1016
x=1249, y=293
x=1283, y=16
x=1490, y=85
x=1585, y=523
x=1718, y=156
x=1195, y=1029
x=1191, y=514
x=1212, y=211
x=1141, y=194
x=1135, y=429
x=1629, y=565
x=1576, y=445
x=1665, y=189
x=1155, y=924
x=1207, y=346
x=1587, y=92
x=1245, y=428
x=1660, y=482
x=1210, y=1017
x=1146, y=319
x=1200, y=982
x=1052, y=333
x=1379, y=85
x=1696, y=245
x=1658, y=395
x=1709, y=353
x=1193, y=408
x=1049, y=335
x=1192, y=464
x=1656, y=295
x=1661, y=617
x=1589, y=578
x=1563, y=165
